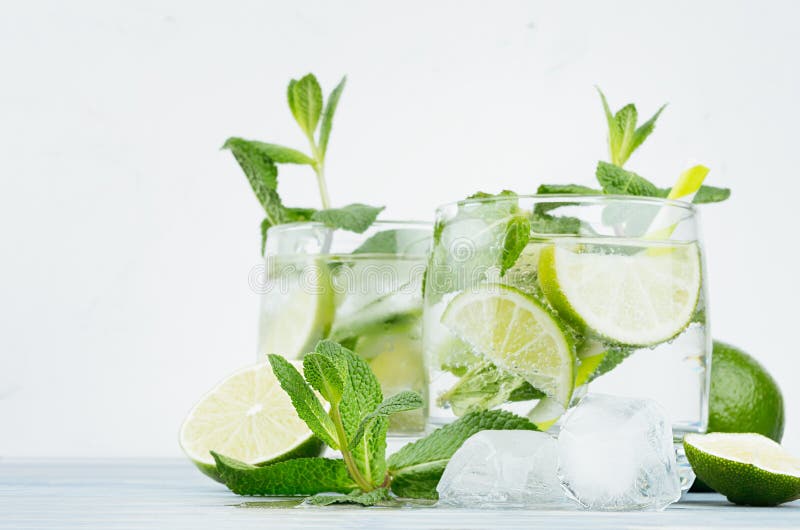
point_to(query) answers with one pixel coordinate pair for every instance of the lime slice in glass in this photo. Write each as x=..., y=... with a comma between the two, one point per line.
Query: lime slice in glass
x=248, y=417
x=515, y=332
x=640, y=299
x=297, y=311
x=747, y=468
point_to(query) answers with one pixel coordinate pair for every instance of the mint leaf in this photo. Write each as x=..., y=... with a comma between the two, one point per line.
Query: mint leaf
x=299, y=476
x=327, y=116
x=277, y=153
x=526, y=392
x=354, y=497
x=418, y=466
x=543, y=223
x=396, y=241
x=383, y=242
x=260, y=170
x=322, y=373
x=305, y=102
x=296, y=215
x=643, y=131
x=353, y=217
x=274, y=208
x=290, y=99
x=566, y=189
x=401, y=402
x=484, y=386
x=625, y=127
x=612, y=124
x=707, y=194
x=304, y=401
x=517, y=234
x=541, y=209
x=618, y=181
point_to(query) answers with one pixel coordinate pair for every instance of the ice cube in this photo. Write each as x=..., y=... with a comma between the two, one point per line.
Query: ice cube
x=504, y=468
x=617, y=454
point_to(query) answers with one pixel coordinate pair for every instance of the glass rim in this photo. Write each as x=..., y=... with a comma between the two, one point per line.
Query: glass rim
x=318, y=224
x=597, y=198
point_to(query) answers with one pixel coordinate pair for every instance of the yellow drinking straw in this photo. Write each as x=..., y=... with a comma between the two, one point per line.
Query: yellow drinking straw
x=685, y=189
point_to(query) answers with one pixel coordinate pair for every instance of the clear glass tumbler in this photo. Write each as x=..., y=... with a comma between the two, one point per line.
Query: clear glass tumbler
x=361, y=290
x=529, y=299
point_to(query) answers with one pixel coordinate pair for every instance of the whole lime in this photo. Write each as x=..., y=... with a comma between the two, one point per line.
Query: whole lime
x=743, y=397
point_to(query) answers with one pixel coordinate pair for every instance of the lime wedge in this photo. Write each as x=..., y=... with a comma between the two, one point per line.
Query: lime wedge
x=249, y=417
x=516, y=333
x=747, y=468
x=297, y=312
x=637, y=299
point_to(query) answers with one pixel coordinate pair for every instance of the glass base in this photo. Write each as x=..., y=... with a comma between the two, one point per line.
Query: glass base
x=685, y=471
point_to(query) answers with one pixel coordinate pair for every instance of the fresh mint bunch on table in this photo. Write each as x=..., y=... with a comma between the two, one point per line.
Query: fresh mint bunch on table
x=259, y=162
x=354, y=422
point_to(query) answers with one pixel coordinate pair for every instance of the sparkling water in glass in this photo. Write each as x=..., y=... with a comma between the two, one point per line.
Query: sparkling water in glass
x=530, y=300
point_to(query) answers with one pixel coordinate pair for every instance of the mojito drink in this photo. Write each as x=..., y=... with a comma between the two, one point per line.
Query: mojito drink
x=530, y=299
x=363, y=291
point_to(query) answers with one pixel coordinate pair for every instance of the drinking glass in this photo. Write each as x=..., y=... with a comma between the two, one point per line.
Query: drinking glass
x=529, y=300
x=361, y=290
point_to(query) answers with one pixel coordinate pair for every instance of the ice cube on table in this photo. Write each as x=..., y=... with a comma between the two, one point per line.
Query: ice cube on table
x=504, y=468
x=617, y=454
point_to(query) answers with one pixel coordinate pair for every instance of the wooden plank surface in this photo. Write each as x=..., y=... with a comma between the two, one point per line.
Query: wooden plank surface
x=171, y=494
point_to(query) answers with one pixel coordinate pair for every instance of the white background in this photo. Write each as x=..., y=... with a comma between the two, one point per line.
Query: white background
x=128, y=236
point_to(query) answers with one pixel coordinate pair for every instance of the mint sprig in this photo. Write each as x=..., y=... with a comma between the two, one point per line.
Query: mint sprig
x=624, y=137
x=259, y=162
x=354, y=423
x=354, y=217
x=345, y=381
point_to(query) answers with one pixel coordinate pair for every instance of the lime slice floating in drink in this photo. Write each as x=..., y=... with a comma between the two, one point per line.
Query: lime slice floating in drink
x=298, y=311
x=639, y=299
x=516, y=333
x=249, y=417
x=746, y=468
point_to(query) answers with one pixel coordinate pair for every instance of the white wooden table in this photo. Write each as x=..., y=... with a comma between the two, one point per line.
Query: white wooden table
x=171, y=494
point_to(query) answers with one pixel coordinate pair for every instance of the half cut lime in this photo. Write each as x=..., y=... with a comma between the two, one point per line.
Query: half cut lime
x=248, y=417
x=747, y=468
